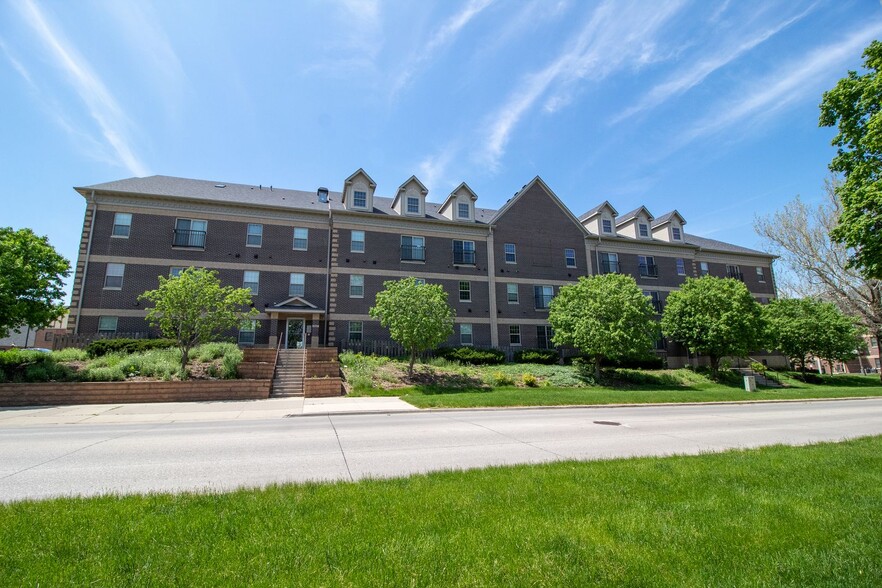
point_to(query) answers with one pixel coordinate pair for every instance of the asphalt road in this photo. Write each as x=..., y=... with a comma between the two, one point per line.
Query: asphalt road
x=56, y=460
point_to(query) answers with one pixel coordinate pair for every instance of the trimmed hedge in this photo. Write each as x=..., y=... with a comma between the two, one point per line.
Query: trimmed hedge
x=471, y=356
x=543, y=356
x=101, y=347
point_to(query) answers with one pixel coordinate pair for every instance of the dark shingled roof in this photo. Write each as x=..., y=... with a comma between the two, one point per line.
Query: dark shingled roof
x=714, y=245
x=629, y=215
x=665, y=218
x=171, y=187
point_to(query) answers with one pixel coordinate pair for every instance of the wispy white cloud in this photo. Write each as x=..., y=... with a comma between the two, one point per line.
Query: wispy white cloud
x=445, y=35
x=791, y=83
x=356, y=42
x=432, y=170
x=102, y=107
x=616, y=35
x=695, y=73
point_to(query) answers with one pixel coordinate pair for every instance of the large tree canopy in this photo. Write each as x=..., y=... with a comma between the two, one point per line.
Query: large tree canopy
x=605, y=316
x=416, y=314
x=714, y=317
x=31, y=285
x=193, y=308
x=853, y=106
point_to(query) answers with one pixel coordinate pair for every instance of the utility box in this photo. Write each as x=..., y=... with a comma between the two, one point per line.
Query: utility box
x=749, y=383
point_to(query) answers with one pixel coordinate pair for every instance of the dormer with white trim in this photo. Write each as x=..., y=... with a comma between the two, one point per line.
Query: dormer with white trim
x=410, y=200
x=460, y=204
x=636, y=224
x=358, y=192
x=669, y=227
x=600, y=220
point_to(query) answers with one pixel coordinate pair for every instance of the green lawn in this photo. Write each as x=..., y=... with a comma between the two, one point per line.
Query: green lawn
x=777, y=516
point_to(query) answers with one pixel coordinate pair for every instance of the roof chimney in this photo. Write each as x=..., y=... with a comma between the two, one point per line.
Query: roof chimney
x=322, y=194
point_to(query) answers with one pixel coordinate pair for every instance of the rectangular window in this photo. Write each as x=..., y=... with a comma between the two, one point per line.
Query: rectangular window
x=413, y=248
x=570, y=256
x=544, y=333
x=297, y=285
x=465, y=334
x=705, y=270
x=246, y=333
x=356, y=331
x=419, y=281
x=359, y=199
x=734, y=272
x=655, y=300
x=874, y=343
x=462, y=210
x=512, y=293
x=357, y=242
x=607, y=226
x=543, y=295
x=463, y=252
x=174, y=272
x=760, y=274
x=107, y=324
x=356, y=286
x=113, y=277
x=254, y=238
x=301, y=239
x=681, y=266
x=648, y=269
x=465, y=292
x=251, y=281
x=413, y=205
x=609, y=263
x=190, y=233
x=878, y=363
x=122, y=225
x=514, y=334
x=675, y=233
x=511, y=255
x=644, y=230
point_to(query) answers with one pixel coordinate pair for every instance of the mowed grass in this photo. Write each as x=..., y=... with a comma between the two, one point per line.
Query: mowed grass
x=778, y=516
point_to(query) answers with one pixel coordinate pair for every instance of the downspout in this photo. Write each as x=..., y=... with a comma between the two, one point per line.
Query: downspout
x=491, y=285
x=86, y=263
x=328, y=273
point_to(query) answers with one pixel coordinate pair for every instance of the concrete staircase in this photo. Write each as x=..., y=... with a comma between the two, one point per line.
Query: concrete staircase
x=288, y=379
x=761, y=380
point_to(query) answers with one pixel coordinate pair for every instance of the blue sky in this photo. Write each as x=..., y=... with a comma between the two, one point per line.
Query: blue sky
x=707, y=107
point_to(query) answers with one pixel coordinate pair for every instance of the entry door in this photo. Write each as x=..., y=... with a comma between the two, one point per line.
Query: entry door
x=294, y=331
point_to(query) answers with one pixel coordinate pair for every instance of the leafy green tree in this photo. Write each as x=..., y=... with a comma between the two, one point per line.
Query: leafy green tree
x=803, y=327
x=193, y=308
x=714, y=317
x=854, y=105
x=605, y=316
x=416, y=314
x=31, y=285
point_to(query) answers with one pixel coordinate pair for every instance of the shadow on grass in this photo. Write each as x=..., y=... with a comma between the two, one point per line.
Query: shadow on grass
x=839, y=380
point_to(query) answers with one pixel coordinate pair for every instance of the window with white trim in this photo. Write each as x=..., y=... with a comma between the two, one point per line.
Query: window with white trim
x=359, y=199
x=246, y=333
x=297, y=285
x=544, y=333
x=356, y=286
x=760, y=274
x=113, y=276
x=681, y=266
x=413, y=205
x=462, y=210
x=607, y=226
x=251, y=281
x=107, y=324
x=511, y=253
x=514, y=334
x=419, y=281
x=675, y=234
x=190, y=232
x=254, y=237
x=174, y=272
x=465, y=291
x=643, y=229
x=122, y=225
x=511, y=291
x=356, y=331
x=570, y=257
x=301, y=239
x=357, y=242
x=543, y=295
x=609, y=262
x=703, y=268
x=654, y=300
x=465, y=334
x=413, y=248
x=463, y=252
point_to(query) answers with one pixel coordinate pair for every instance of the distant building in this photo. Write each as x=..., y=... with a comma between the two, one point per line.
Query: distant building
x=314, y=261
x=20, y=337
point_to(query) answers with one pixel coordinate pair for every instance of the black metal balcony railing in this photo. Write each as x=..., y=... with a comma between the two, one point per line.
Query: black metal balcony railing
x=609, y=267
x=735, y=275
x=543, y=300
x=464, y=257
x=648, y=270
x=413, y=253
x=189, y=239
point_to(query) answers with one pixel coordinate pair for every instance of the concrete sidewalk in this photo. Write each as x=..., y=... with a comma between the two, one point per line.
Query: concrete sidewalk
x=167, y=412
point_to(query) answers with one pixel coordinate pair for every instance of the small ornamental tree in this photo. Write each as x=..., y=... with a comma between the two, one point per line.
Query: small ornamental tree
x=193, y=308
x=840, y=338
x=31, y=285
x=605, y=316
x=714, y=317
x=417, y=315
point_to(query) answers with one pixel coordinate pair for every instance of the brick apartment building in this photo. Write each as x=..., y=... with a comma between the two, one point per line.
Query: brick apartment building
x=315, y=260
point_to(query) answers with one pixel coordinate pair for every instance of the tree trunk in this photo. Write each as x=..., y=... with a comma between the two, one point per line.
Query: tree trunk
x=878, y=335
x=714, y=364
x=412, y=360
x=597, y=359
x=185, y=359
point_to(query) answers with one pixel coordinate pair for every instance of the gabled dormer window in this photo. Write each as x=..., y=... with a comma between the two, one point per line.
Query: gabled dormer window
x=607, y=226
x=643, y=230
x=413, y=205
x=359, y=199
x=676, y=235
x=462, y=210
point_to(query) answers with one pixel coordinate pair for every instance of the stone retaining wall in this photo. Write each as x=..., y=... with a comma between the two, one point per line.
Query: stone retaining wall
x=322, y=387
x=63, y=393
